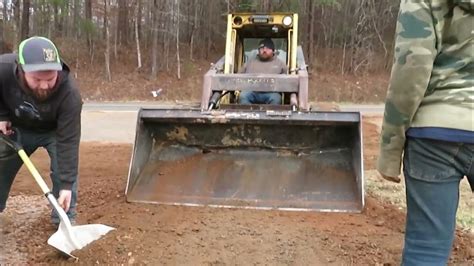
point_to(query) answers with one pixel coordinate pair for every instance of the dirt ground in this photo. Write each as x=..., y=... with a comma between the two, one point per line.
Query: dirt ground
x=176, y=235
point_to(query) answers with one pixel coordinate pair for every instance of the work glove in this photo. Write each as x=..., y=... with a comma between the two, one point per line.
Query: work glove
x=395, y=179
x=64, y=199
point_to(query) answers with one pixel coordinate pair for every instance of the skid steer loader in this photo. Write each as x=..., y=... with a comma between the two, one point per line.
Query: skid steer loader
x=225, y=154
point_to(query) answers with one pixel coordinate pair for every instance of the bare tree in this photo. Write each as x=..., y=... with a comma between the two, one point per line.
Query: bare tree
x=312, y=21
x=76, y=18
x=5, y=12
x=193, y=29
x=122, y=24
x=266, y=5
x=2, y=28
x=176, y=4
x=25, y=20
x=57, y=23
x=88, y=11
x=107, y=43
x=210, y=10
x=66, y=18
x=16, y=22
x=137, y=34
x=154, y=47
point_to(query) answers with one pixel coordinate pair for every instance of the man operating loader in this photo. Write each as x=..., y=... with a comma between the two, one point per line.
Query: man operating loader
x=265, y=63
x=40, y=106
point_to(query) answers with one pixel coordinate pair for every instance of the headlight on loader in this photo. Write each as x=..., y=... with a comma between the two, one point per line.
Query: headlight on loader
x=287, y=20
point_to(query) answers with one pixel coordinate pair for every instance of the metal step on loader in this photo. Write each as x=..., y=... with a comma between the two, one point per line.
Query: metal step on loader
x=226, y=154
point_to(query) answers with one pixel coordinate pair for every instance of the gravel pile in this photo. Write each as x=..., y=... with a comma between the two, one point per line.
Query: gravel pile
x=18, y=219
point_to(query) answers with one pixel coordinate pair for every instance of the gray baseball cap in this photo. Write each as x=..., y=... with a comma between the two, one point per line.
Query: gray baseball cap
x=38, y=54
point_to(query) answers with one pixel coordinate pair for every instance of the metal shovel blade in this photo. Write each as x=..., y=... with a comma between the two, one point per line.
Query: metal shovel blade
x=69, y=238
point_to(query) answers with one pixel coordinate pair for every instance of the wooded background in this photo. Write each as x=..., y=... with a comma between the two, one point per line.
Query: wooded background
x=347, y=37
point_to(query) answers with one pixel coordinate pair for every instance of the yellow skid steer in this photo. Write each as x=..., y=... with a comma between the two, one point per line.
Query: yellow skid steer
x=226, y=154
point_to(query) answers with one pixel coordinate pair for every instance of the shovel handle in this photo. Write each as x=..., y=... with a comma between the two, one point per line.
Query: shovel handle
x=36, y=175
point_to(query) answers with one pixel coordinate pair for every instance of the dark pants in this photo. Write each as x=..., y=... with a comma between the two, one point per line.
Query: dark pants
x=10, y=166
x=433, y=170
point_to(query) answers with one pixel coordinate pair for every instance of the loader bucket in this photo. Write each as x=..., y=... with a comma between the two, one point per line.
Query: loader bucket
x=309, y=161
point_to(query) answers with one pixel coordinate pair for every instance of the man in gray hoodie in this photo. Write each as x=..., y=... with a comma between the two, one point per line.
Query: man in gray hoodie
x=265, y=63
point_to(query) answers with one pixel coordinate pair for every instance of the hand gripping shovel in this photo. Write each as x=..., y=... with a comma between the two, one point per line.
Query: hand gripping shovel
x=68, y=238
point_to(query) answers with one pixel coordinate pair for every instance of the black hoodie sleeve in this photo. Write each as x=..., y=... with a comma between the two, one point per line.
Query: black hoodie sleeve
x=68, y=135
x=4, y=114
x=7, y=62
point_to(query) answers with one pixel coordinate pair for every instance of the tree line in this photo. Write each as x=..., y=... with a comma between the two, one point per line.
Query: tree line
x=342, y=36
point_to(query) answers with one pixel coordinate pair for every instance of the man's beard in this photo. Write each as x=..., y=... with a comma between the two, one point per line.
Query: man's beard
x=38, y=94
x=265, y=56
x=41, y=95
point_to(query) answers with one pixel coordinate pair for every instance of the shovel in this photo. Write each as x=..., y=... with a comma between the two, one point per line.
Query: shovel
x=68, y=237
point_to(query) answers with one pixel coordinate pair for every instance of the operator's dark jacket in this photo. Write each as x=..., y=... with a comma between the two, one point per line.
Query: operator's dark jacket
x=61, y=113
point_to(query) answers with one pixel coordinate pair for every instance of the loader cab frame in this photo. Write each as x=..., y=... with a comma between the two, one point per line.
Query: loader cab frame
x=223, y=82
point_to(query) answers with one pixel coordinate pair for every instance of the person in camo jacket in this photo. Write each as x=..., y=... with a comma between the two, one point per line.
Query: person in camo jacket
x=429, y=119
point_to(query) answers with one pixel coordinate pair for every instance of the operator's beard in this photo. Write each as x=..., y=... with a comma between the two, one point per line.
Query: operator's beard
x=265, y=57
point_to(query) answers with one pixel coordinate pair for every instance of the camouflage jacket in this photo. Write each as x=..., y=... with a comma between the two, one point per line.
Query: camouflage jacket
x=432, y=79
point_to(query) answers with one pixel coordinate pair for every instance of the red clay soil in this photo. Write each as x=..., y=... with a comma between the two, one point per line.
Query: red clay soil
x=156, y=234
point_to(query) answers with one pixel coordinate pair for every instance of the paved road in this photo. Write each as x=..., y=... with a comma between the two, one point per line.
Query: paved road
x=116, y=122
